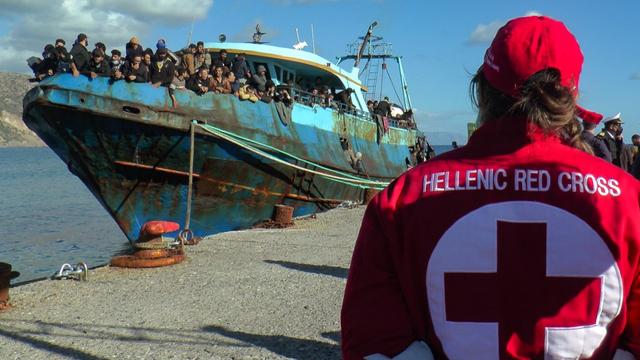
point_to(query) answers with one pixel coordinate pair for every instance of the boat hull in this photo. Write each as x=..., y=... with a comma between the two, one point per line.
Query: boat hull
x=137, y=164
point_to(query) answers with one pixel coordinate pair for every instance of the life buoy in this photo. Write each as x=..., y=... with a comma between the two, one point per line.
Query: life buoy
x=134, y=261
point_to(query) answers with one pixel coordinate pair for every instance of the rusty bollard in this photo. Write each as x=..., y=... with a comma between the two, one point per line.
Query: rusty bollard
x=5, y=278
x=283, y=214
x=369, y=194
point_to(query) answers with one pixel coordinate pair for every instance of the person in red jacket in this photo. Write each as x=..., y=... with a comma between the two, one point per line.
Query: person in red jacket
x=519, y=245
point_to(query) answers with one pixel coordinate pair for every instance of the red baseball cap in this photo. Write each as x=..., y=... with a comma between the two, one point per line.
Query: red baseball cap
x=530, y=44
x=589, y=116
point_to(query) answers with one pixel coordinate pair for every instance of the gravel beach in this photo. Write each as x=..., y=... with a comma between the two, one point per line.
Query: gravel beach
x=254, y=294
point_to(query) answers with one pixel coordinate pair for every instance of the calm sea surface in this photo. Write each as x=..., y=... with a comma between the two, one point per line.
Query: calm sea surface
x=48, y=217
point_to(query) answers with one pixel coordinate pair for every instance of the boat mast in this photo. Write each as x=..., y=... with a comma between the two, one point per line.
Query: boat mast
x=365, y=42
x=405, y=86
x=377, y=52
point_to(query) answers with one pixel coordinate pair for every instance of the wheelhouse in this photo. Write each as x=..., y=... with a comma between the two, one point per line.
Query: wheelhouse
x=296, y=68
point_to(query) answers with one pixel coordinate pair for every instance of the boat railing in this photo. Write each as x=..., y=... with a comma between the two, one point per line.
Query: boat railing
x=311, y=100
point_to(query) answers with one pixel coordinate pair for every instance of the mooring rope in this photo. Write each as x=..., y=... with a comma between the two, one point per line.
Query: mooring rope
x=343, y=178
x=187, y=220
x=269, y=147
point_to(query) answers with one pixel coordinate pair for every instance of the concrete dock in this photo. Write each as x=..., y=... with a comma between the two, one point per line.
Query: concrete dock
x=254, y=294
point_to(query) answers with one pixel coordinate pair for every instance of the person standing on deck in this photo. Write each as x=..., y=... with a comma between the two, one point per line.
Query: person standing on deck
x=188, y=60
x=539, y=257
x=80, y=55
x=384, y=107
x=202, y=57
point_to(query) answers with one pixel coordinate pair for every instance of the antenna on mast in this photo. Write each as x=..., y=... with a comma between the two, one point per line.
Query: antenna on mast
x=365, y=42
x=193, y=20
x=300, y=44
x=313, y=39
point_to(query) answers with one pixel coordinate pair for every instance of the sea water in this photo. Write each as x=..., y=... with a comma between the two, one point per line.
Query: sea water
x=49, y=218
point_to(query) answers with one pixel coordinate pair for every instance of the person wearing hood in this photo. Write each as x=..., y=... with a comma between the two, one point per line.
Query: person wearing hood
x=518, y=245
x=259, y=80
x=133, y=48
x=162, y=69
x=240, y=68
x=162, y=44
x=48, y=65
x=100, y=45
x=64, y=58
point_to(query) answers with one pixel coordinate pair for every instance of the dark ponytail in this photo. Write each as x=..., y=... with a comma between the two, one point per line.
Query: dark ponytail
x=543, y=101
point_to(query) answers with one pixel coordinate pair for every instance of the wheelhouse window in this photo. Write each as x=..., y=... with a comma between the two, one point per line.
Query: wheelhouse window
x=278, y=73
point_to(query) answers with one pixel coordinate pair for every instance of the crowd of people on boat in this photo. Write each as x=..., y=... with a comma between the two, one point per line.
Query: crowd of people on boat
x=195, y=69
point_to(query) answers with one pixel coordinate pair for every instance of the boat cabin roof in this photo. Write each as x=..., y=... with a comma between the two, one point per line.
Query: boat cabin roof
x=301, y=62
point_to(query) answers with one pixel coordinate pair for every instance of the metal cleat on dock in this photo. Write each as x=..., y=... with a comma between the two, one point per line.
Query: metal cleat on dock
x=67, y=271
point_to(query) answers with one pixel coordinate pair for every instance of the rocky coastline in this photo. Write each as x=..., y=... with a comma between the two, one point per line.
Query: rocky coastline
x=13, y=132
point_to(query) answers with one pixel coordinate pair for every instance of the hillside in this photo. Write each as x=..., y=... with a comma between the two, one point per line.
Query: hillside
x=13, y=132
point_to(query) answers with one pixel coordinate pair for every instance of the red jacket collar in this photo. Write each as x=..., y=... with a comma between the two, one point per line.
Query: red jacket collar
x=509, y=134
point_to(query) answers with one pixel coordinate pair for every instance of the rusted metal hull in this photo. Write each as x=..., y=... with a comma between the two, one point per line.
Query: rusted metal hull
x=132, y=151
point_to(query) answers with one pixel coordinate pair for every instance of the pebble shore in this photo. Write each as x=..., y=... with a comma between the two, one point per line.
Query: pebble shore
x=253, y=294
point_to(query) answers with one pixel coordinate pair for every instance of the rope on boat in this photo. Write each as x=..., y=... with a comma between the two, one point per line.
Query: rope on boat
x=186, y=237
x=269, y=147
x=187, y=221
x=238, y=140
x=343, y=178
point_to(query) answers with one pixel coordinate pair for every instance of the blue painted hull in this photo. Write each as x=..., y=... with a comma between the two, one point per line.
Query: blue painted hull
x=131, y=149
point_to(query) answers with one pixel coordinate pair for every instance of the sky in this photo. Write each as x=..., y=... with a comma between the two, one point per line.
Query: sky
x=442, y=42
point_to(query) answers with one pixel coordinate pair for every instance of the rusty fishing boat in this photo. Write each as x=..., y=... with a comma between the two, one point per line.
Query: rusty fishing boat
x=217, y=163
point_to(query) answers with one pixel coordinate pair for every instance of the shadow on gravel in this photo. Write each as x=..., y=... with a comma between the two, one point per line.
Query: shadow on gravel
x=65, y=351
x=332, y=335
x=335, y=271
x=282, y=345
x=44, y=335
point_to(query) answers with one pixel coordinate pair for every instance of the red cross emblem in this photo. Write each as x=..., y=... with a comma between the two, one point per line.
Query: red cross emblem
x=521, y=279
x=519, y=295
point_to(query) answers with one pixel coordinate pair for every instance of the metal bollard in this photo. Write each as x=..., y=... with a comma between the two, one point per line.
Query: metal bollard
x=369, y=194
x=5, y=279
x=283, y=214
